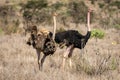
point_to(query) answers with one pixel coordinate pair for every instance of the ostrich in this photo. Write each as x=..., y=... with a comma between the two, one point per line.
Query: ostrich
x=42, y=41
x=73, y=39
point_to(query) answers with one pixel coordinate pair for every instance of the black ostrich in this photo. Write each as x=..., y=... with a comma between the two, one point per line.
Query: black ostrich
x=73, y=39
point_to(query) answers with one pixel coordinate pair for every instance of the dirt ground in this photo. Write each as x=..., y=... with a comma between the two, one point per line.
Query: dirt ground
x=100, y=60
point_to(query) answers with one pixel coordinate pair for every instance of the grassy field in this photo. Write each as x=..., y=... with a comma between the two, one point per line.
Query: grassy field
x=101, y=60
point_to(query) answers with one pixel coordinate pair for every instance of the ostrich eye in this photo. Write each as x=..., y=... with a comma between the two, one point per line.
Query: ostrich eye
x=38, y=34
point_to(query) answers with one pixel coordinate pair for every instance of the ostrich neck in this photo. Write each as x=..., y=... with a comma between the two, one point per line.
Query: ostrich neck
x=87, y=36
x=54, y=27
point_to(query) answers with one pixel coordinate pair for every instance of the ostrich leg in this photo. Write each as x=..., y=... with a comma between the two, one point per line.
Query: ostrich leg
x=38, y=54
x=68, y=51
x=42, y=61
x=69, y=56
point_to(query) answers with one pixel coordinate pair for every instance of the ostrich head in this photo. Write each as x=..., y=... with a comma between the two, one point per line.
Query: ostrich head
x=42, y=36
x=32, y=36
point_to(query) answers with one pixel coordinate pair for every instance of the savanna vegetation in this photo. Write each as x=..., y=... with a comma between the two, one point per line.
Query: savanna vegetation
x=101, y=57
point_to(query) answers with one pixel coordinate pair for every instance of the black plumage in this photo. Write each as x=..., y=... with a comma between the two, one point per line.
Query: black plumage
x=72, y=37
x=49, y=46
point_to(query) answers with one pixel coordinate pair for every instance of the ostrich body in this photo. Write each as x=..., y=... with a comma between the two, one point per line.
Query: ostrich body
x=73, y=39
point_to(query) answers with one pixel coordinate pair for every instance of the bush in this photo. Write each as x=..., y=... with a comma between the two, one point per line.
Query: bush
x=97, y=33
x=117, y=26
x=56, y=6
x=115, y=3
x=101, y=5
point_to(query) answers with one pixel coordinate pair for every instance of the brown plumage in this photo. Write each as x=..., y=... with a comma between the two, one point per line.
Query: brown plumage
x=42, y=41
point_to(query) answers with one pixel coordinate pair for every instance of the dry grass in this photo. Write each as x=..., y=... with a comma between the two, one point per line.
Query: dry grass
x=101, y=60
x=19, y=61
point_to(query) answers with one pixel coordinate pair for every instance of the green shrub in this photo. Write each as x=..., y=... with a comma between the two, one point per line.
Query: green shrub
x=97, y=33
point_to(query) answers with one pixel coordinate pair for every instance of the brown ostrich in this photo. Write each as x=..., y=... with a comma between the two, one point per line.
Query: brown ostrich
x=42, y=41
x=73, y=39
